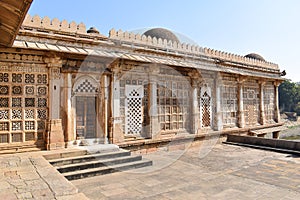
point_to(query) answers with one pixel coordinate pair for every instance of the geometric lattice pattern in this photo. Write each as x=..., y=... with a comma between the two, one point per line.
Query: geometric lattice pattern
x=29, y=78
x=251, y=100
x=4, y=126
x=16, y=102
x=206, y=113
x=16, y=78
x=16, y=126
x=29, y=102
x=4, y=90
x=86, y=86
x=4, y=77
x=41, y=114
x=173, y=94
x=23, y=106
x=29, y=90
x=17, y=90
x=42, y=79
x=29, y=125
x=42, y=102
x=42, y=90
x=29, y=114
x=16, y=114
x=269, y=98
x=4, y=114
x=134, y=113
x=3, y=102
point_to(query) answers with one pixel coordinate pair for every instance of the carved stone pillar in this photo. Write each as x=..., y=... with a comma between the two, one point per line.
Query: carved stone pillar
x=241, y=115
x=152, y=109
x=55, y=135
x=116, y=133
x=276, y=103
x=195, y=108
x=70, y=131
x=218, y=125
x=106, y=104
x=262, y=119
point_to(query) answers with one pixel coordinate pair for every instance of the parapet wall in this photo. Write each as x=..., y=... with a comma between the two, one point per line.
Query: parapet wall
x=64, y=27
x=55, y=24
x=187, y=48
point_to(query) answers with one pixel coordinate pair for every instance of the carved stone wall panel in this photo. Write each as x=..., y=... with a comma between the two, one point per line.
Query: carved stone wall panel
x=23, y=102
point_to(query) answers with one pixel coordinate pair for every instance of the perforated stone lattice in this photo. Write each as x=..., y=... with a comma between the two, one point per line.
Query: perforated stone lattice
x=4, y=90
x=3, y=114
x=23, y=104
x=134, y=113
x=206, y=115
x=86, y=86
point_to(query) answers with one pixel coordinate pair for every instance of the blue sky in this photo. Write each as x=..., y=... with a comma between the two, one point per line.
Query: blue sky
x=267, y=27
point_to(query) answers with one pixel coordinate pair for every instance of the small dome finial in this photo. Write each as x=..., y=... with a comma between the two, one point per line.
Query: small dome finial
x=93, y=30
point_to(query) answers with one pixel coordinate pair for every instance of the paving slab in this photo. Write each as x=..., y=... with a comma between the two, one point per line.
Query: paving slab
x=224, y=172
x=30, y=176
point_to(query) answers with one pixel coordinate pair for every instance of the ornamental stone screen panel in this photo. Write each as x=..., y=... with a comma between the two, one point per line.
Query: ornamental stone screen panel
x=23, y=104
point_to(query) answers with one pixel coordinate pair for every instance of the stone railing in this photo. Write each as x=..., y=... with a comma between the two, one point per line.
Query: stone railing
x=55, y=24
x=187, y=48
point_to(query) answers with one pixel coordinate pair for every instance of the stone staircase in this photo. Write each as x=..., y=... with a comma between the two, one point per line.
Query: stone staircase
x=86, y=163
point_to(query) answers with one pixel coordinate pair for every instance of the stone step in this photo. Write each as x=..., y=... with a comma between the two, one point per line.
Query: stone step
x=65, y=155
x=88, y=157
x=106, y=169
x=98, y=163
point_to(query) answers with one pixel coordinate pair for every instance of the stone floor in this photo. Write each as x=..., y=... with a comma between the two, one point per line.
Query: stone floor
x=30, y=176
x=218, y=172
x=209, y=171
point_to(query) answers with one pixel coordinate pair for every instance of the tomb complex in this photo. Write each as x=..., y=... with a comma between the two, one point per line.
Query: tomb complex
x=62, y=84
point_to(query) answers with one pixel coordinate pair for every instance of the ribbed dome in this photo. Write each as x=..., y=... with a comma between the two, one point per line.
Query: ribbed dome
x=161, y=33
x=255, y=56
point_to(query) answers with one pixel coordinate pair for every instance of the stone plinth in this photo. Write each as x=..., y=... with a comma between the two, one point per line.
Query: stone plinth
x=55, y=135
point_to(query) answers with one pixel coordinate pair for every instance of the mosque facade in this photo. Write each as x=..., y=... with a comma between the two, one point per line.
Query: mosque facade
x=63, y=85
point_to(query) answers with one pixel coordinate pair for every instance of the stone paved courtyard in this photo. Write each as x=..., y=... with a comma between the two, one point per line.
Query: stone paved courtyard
x=226, y=172
x=202, y=172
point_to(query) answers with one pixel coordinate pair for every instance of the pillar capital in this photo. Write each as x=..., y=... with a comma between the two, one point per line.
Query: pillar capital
x=53, y=62
x=241, y=79
x=277, y=83
x=262, y=82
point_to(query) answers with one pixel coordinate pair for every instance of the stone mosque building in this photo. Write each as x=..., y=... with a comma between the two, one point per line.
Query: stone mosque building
x=63, y=85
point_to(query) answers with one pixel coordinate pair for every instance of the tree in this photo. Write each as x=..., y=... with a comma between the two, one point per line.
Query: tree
x=289, y=96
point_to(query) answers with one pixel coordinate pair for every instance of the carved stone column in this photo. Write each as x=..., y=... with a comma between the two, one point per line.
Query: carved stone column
x=195, y=112
x=241, y=115
x=116, y=133
x=55, y=134
x=70, y=131
x=218, y=125
x=262, y=119
x=106, y=104
x=152, y=109
x=276, y=103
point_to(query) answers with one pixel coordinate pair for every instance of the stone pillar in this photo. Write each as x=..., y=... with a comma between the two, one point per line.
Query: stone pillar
x=54, y=135
x=262, y=119
x=154, y=128
x=241, y=115
x=106, y=111
x=218, y=125
x=276, y=103
x=116, y=133
x=70, y=134
x=195, y=112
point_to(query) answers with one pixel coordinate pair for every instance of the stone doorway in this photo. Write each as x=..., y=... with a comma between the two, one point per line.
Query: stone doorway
x=86, y=116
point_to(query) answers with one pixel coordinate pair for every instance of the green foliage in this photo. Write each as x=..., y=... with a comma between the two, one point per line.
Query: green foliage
x=289, y=97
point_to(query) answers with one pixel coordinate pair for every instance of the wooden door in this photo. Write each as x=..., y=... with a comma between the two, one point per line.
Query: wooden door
x=86, y=117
